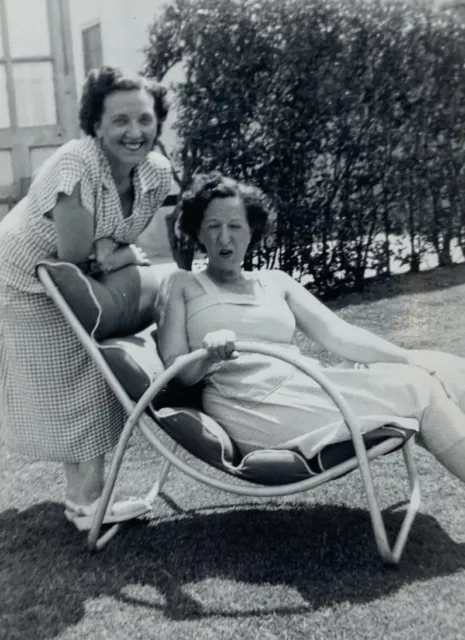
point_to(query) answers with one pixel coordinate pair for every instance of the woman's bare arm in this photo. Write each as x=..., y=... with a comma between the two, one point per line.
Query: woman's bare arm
x=172, y=332
x=74, y=226
x=333, y=333
x=76, y=237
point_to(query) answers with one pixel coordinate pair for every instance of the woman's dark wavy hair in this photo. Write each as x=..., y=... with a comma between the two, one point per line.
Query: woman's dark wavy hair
x=205, y=187
x=105, y=80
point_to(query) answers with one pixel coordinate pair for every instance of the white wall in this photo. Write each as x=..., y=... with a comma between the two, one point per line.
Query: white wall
x=124, y=25
x=124, y=29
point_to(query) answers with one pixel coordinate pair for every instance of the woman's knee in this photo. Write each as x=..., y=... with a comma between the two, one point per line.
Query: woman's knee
x=421, y=385
x=453, y=458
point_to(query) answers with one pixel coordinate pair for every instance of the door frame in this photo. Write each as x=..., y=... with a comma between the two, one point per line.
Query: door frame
x=19, y=140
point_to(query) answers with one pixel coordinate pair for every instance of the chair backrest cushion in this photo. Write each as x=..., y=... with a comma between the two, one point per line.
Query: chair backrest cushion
x=110, y=305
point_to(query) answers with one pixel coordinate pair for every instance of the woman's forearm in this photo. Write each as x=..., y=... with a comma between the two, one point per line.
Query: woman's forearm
x=120, y=257
x=359, y=345
x=112, y=259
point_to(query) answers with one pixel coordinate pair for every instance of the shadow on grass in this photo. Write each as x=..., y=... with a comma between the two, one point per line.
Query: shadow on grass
x=324, y=553
x=381, y=288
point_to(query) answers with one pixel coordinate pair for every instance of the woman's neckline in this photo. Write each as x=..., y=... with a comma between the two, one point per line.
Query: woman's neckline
x=129, y=190
x=239, y=287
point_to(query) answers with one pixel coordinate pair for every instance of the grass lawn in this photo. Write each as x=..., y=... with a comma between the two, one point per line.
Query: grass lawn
x=211, y=566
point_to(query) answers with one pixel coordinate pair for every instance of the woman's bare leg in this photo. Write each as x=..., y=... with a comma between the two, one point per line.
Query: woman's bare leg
x=85, y=480
x=436, y=400
x=442, y=429
x=454, y=459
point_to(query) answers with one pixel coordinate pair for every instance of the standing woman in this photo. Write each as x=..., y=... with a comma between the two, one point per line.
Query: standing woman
x=92, y=198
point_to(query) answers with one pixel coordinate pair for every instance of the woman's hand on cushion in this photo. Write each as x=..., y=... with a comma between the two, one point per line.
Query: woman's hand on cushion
x=124, y=256
x=221, y=345
x=138, y=256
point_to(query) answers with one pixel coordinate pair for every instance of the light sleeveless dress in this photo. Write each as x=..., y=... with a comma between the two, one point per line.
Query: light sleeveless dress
x=263, y=402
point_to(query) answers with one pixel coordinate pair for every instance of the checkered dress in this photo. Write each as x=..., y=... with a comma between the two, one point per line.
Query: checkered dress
x=54, y=402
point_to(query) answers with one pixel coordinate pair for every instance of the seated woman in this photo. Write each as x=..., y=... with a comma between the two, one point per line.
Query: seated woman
x=263, y=402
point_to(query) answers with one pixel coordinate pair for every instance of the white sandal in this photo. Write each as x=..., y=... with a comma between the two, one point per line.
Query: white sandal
x=82, y=516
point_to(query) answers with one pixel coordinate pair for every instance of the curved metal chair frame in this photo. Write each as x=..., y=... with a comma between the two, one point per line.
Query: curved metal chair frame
x=137, y=415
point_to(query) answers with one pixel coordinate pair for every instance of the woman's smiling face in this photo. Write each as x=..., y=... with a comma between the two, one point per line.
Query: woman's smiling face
x=225, y=232
x=128, y=128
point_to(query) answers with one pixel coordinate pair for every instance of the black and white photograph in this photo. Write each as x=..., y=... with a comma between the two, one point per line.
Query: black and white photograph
x=232, y=319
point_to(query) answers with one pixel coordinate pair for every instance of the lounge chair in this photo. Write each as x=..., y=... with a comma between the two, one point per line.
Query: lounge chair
x=155, y=404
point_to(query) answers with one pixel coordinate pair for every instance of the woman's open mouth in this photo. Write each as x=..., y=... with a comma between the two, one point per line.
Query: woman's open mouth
x=225, y=253
x=133, y=146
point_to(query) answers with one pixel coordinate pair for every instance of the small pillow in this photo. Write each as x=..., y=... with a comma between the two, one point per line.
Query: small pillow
x=200, y=435
x=134, y=360
x=273, y=467
x=110, y=305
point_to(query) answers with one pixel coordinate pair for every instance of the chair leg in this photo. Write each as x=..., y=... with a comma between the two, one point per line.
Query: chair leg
x=157, y=487
x=414, y=502
x=107, y=536
x=392, y=555
x=95, y=542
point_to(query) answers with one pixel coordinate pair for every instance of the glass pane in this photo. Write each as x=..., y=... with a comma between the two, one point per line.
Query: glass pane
x=6, y=169
x=92, y=47
x=28, y=28
x=38, y=155
x=34, y=93
x=4, y=111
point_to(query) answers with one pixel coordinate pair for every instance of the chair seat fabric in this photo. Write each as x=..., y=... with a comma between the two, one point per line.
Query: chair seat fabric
x=178, y=411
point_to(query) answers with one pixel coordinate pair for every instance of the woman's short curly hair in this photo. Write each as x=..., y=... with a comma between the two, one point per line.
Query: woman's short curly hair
x=105, y=80
x=205, y=187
